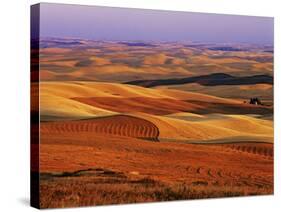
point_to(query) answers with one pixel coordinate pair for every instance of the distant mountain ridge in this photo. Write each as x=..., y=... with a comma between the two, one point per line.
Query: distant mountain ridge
x=208, y=80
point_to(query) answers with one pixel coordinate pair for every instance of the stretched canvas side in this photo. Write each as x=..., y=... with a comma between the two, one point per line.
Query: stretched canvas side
x=34, y=114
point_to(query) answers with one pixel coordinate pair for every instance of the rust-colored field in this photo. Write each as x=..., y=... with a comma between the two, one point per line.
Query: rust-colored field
x=76, y=161
x=122, y=125
x=261, y=149
x=140, y=104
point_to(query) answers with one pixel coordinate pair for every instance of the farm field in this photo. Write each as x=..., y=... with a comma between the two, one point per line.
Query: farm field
x=126, y=122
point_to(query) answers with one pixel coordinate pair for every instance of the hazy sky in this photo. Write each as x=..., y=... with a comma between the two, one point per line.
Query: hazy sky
x=105, y=23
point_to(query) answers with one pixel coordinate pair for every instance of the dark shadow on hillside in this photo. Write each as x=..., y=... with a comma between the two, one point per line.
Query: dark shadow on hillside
x=222, y=108
x=208, y=80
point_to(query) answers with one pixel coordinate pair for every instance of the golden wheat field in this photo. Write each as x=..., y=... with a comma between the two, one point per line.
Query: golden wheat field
x=124, y=123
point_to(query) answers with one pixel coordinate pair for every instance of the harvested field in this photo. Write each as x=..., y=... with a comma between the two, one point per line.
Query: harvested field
x=121, y=125
x=113, y=163
x=140, y=104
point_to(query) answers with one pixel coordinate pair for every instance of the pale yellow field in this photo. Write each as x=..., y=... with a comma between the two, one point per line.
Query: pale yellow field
x=56, y=99
x=209, y=127
x=264, y=91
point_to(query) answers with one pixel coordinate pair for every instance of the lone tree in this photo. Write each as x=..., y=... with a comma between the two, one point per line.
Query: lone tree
x=255, y=101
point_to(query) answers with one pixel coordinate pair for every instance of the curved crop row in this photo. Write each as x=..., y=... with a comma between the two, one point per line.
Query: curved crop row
x=121, y=125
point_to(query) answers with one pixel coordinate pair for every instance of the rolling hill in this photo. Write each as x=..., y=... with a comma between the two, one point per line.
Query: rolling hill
x=208, y=80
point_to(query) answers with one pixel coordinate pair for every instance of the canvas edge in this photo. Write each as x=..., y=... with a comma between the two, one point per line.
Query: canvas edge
x=34, y=106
